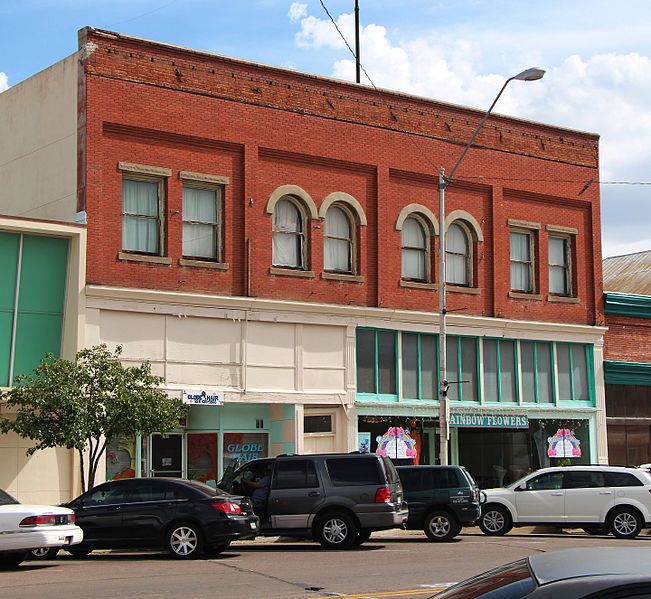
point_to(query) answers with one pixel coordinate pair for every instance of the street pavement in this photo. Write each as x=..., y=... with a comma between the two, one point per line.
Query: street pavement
x=391, y=565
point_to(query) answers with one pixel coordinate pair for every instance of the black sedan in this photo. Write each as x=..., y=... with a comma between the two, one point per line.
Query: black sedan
x=185, y=517
x=590, y=572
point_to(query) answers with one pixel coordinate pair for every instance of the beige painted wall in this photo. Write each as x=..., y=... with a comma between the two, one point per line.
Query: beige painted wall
x=38, y=153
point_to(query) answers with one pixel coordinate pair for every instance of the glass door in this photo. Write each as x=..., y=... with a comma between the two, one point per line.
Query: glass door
x=166, y=455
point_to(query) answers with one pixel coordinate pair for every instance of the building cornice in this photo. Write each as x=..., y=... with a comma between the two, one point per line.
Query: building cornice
x=627, y=304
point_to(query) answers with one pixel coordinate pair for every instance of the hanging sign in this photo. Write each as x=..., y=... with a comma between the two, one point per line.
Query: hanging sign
x=202, y=398
x=564, y=444
x=489, y=420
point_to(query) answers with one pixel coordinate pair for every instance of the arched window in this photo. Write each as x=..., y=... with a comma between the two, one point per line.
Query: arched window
x=288, y=235
x=338, y=244
x=457, y=256
x=415, y=250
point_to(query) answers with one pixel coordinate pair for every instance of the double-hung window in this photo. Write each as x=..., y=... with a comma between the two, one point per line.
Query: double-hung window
x=339, y=241
x=143, y=207
x=457, y=256
x=288, y=249
x=560, y=265
x=202, y=222
x=415, y=250
x=141, y=216
x=522, y=261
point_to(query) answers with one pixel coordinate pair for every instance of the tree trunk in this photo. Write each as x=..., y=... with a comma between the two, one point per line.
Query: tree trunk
x=81, y=468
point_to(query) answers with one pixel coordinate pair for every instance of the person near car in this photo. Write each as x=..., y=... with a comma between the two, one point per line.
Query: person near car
x=260, y=492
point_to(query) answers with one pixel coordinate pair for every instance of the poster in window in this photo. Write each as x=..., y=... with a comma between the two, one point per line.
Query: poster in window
x=396, y=444
x=121, y=458
x=364, y=442
x=202, y=457
x=564, y=444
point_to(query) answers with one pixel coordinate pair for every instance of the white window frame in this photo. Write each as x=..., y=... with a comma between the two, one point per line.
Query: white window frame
x=568, y=246
x=468, y=258
x=302, y=234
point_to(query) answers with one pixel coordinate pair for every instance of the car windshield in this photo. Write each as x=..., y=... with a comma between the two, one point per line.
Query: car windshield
x=6, y=499
x=511, y=581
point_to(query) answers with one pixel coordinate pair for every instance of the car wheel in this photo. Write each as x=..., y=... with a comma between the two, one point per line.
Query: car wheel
x=43, y=553
x=595, y=530
x=336, y=530
x=11, y=560
x=79, y=552
x=362, y=536
x=184, y=540
x=625, y=523
x=441, y=526
x=217, y=549
x=495, y=520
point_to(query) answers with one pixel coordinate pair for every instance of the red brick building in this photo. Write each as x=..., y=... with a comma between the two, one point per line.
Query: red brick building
x=627, y=355
x=270, y=237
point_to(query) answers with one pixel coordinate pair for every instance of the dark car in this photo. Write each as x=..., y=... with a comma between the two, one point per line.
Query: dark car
x=185, y=517
x=590, y=572
x=441, y=499
x=336, y=499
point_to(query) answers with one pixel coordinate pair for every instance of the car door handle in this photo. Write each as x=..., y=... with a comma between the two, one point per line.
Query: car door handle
x=314, y=494
x=557, y=494
x=605, y=492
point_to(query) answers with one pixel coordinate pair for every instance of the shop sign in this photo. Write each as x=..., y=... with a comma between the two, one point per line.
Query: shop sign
x=489, y=420
x=202, y=398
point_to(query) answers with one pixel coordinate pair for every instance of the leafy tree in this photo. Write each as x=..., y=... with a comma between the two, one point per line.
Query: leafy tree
x=83, y=405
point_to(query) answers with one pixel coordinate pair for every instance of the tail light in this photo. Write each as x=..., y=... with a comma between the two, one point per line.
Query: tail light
x=46, y=520
x=72, y=518
x=228, y=507
x=474, y=495
x=383, y=495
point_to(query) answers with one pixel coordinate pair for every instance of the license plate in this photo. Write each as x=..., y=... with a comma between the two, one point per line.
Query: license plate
x=253, y=525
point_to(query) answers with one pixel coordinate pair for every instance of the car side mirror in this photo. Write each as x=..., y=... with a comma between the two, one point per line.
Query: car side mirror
x=521, y=487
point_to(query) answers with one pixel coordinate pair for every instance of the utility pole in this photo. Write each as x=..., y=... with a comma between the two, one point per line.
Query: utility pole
x=357, y=62
x=532, y=74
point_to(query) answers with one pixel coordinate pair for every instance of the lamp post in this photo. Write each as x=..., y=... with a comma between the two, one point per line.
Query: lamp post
x=444, y=411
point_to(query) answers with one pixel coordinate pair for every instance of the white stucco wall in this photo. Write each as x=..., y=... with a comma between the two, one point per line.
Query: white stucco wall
x=38, y=153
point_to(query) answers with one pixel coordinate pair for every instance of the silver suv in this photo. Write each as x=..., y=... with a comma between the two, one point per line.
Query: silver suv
x=598, y=499
x=336, y=499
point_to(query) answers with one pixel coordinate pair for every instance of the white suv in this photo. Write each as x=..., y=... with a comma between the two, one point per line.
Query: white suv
x=595, y=498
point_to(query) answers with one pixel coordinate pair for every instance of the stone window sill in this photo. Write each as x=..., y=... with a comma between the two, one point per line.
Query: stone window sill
x=563, y=299
x=341, y=276
x=203, y=264
x=418, y=285
x=461, y=289
x=128, y=257
x=525, y=296
x=290, y=272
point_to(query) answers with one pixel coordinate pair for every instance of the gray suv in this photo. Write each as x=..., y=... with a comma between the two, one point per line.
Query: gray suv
x=337, y=499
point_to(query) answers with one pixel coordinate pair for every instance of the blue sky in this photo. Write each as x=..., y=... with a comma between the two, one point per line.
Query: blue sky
x=597, y=54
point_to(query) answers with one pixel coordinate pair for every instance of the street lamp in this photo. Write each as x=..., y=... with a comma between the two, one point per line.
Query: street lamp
x=528, y=75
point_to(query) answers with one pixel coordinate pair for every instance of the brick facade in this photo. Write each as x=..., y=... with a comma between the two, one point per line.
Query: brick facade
x=263, y=127
x=628, y=339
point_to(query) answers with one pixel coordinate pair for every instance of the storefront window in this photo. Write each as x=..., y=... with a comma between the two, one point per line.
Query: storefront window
x=406, y=441
x=536, y=372
x=499, y=370
x=573, y=372
x=243, y=447
x=498, y=457
x=376, y=362
x=462, y=368
x=419, y=366
x=202, y=457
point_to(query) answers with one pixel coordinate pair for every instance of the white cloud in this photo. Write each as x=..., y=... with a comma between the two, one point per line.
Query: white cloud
x=602, y=92
x=4, y=82
x=297, y=11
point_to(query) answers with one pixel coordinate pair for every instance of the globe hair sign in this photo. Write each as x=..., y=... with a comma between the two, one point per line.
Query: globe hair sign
x=202, y=398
